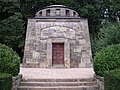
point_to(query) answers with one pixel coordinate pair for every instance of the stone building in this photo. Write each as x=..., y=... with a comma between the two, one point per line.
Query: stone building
x=57, y=37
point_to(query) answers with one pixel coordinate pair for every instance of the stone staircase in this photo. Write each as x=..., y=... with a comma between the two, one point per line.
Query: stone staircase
x=58, y=84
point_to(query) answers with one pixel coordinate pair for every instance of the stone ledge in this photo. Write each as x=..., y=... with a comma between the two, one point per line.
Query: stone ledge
x=100, y=82
x=16, y=81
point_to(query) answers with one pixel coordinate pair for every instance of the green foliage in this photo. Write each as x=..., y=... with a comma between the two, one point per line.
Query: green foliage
x=9, y=60
x=109, y=35
x=5, y=81
x=30, y=7
x=11, y=31
x=8, y=8
x=107, y=59
x=91, y=12
x=110, y=10
x=112, y=80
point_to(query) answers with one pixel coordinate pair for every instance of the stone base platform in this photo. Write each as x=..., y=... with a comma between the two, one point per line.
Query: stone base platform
x=62, y=73
x=58, y=84
x=58, y=79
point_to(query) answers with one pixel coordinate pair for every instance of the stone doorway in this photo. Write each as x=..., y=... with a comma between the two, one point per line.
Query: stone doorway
x=57, y=53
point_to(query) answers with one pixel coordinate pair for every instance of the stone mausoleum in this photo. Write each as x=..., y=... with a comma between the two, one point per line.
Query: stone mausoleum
x=57, y=37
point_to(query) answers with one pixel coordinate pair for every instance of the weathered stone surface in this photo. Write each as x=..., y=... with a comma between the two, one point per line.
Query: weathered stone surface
x=16, y=81
x=58, y=84
x=73, y=32
x=100, y=82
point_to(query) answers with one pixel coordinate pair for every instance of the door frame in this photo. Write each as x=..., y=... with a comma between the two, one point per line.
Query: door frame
x=66, y=51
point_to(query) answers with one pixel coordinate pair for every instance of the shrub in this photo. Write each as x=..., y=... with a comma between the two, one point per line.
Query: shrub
x=107, y=59
x=5, y=81
x=9, y=60
x=112, y=80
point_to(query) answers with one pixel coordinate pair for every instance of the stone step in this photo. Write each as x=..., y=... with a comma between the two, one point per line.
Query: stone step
x=59, y=88
x=60, y=80
x=58, y=83
x=59, y=66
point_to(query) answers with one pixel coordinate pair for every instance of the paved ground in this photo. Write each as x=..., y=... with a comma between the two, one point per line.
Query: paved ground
x=43, y=73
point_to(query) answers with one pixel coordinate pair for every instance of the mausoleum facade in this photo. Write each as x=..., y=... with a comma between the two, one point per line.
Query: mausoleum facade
x=57, y=37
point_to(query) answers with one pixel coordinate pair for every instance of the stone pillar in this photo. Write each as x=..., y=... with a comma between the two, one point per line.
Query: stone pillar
x=49, y=52
x=62, y=10
x=67, y=54
x=52, y=12
x=71, y=13
x=44, y=13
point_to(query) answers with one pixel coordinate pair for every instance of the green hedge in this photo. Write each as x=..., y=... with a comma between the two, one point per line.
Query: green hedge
x=112, y=80
x=107, y=59
x=5, y=81
x=9, y=60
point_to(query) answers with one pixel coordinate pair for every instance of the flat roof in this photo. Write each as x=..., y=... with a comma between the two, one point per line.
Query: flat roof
x=56, y=6
x=55, y=17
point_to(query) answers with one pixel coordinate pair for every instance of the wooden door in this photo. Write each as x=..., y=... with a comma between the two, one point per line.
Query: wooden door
x=58, y=53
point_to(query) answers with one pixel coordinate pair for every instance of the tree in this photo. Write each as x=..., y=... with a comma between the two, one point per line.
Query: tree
x=12, y=32
x=109, y=35
x=30, y=7
x=11, y=25
x=110, y=10
x=8, y=8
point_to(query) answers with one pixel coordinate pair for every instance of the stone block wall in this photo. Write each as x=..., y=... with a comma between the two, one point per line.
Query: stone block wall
x=41, y=33
x=16, y=81
x=100, y=82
